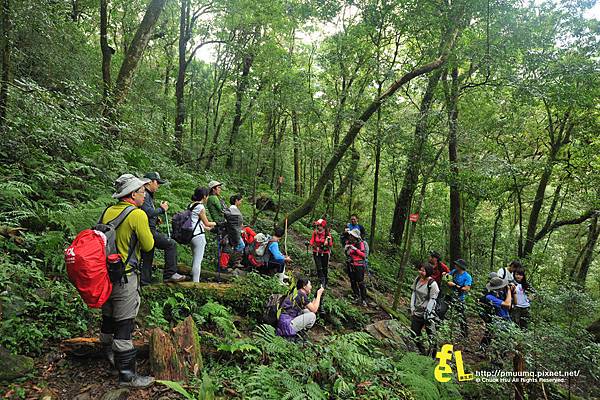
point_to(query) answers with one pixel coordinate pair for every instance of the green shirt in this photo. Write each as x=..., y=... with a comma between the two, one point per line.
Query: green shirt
x=136, y=221
x=215, y=208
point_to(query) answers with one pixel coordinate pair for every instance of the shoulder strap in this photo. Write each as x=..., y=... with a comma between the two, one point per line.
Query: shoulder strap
x=503, y=273
x=193, y=205
x=115, y=223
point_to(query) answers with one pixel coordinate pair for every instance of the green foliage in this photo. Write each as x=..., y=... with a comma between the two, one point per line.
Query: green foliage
x=221, y=317
x=206, y=390
x=36, y=309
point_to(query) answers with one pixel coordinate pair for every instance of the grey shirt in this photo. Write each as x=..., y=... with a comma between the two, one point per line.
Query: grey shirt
x=423, y=298
x=150, y=210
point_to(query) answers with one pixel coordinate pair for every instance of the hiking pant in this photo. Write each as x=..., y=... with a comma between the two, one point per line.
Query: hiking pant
x=118, y=314
x=198, y=245
x=306, y=320
x=162, y=242
x=322, y=265
x=357, y=280
x=520, y=316
x=416, y=325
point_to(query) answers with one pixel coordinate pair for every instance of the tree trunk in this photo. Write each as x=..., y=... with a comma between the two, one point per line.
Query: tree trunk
x=587, y=253
x=239, y=96
x=107, y=52
x=537, y=206
x=357, y=125
x=411, y=230
x=495, y=235
x=168, y=67
x=180, y=84
x=296, y=137
x=176, y=357
x=136, y=50
x=376, y=177
x=413, y=166
x=452, y=107
x=6, y=31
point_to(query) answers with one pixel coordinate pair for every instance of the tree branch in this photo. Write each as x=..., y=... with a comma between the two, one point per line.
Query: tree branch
x=583, y=217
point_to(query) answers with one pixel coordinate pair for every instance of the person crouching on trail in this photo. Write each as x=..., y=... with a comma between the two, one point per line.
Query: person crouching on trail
x=119, y=312
x=355, y=251
x=297, y=313
x=201, y=225
x=422, y=304
x=277, y=260
x=321, y=243
x=161, y=241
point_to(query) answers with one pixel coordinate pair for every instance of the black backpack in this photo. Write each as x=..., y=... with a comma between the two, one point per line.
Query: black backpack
x=272, y=309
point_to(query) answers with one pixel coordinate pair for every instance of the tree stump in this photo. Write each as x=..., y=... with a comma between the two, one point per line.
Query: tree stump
x=176, y=357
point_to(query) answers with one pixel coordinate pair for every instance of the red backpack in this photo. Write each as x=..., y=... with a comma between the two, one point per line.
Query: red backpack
x=86, y=259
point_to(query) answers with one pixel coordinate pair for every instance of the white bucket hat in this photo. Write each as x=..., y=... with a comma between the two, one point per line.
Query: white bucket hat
x=213, y=184
x=126, y=184
x=355, y=233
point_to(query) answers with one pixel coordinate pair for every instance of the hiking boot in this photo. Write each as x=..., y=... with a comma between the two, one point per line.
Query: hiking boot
x=176, y=278
x=125, y=362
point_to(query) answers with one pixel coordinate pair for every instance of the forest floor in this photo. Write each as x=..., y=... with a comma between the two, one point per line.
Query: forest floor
x=59, y=375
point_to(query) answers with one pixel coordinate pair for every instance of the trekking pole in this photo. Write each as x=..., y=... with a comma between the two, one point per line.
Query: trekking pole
x=285, y=238
x=167, y=223
x=218, y=258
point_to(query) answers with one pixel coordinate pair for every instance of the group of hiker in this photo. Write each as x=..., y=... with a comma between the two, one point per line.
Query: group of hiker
x=128, y=231
x=438, y=289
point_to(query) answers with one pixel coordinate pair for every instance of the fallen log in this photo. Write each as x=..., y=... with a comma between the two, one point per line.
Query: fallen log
x=217, y=288
x=176, y=356
x=205, y=275
x=91, y=347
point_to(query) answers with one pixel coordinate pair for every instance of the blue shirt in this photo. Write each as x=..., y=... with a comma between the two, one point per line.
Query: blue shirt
x=357, y=226
x=463, y=279
x=276, y=255
x=497, y=303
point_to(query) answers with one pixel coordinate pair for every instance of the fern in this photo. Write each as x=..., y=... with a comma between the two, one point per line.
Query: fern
x=176, y=387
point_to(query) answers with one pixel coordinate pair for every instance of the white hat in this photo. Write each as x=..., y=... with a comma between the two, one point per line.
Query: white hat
x=355, y=233
x=126, y=184
x=213, y=184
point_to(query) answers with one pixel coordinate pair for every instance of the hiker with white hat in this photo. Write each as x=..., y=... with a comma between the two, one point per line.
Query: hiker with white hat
x=356, y=254
x=216, y=205
x=121, y=308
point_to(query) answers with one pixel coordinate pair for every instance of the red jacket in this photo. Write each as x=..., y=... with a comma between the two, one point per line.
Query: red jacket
x=437, y=272
x=321, y=243
x=357, y=254
x=248, y=235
